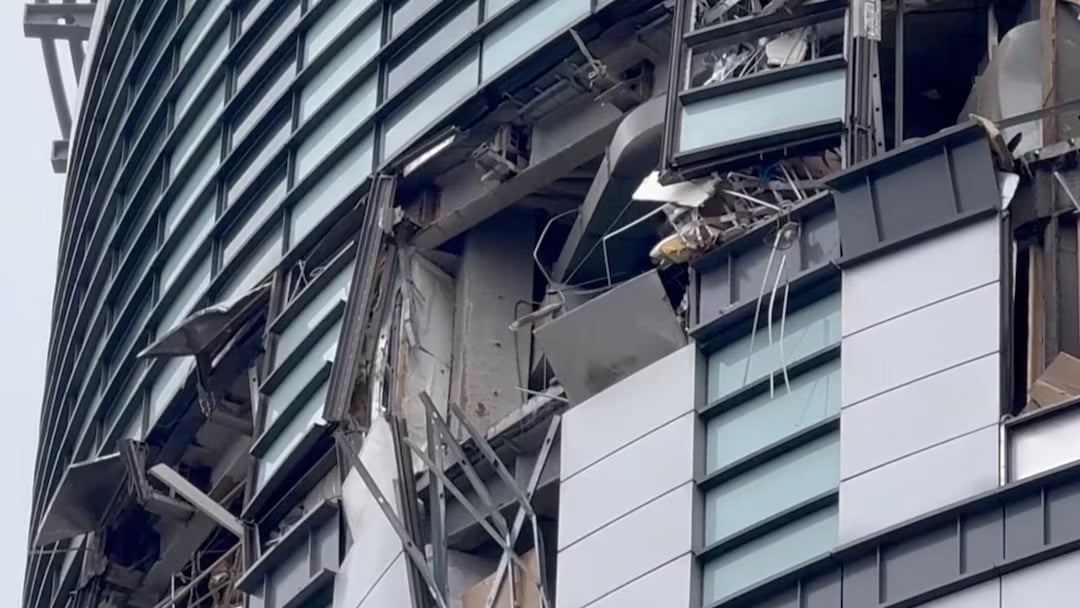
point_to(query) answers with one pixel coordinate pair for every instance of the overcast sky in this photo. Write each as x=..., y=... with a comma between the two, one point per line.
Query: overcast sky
x=29, y=230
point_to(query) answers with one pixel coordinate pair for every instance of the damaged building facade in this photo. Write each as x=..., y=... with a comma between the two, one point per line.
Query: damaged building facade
x=562, y=304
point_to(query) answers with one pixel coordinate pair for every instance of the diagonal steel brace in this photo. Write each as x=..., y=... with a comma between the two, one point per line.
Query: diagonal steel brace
x=470, y=472
x=519, y=518
x=495, y=535
x=414, y=553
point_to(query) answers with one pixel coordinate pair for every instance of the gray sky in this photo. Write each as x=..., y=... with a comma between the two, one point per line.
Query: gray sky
x=29, y=232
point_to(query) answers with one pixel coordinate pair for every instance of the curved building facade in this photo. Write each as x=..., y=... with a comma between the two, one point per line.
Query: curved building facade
x=376, y=303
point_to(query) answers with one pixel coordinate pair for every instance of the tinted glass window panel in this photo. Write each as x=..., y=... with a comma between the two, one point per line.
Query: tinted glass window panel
x=338, y=70
x=200, y=126
x=299, y=377
x=261, y=101
x=792, y=478
x=771, y=554
x=259, y=210
x=522, y=34
x=331, y=24
x=184, y=302
x=430, y=104
x=186, y=246
x=257, y=158
x=806, y=331
x=408, y=12
x=280, y=26
x=201, y=73
x=193, y=185
x=306, y=417
x=332, y=295
x=208, y=11
x=254, y=268
x=436, y=45
x=765, y=420
x=335, y=128
x=332, y=188
x=762, y=110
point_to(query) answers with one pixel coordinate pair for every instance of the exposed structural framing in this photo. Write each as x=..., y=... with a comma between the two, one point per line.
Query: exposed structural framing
x=53, y=24
x=433, y=573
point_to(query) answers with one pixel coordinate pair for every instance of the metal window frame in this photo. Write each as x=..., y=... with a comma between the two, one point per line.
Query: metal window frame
x=739, y=325
x=679, y=165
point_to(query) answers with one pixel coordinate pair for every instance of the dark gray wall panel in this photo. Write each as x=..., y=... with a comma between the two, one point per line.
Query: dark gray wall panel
x=1006, y=533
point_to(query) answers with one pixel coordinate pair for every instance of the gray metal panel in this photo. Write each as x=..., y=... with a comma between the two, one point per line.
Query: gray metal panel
x=732, y=275
x=634, y=407
x=655, y=464
x=893, y=425
x=81, y=499
x=608, y=338
x=944, y=474
x=627, y=549
x=914, y=191
x=946, y=558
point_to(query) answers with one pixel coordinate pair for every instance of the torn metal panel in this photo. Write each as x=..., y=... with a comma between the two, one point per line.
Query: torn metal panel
x=347, y=361
x=81, y=500
x=612, y=336
x=205, y=327
x=914, y=191
x=375, y=556
x=427, y=339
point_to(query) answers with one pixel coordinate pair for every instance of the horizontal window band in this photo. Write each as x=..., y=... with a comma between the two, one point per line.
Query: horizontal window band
x=770, y=524
x=760, y=387
x=716, y=478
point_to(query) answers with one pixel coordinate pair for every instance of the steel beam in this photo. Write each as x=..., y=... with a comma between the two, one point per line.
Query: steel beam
x=58, y=21
x=168, y=476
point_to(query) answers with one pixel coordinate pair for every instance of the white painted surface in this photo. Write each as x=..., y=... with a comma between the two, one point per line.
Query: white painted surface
x=627, y=479
x=668, y=586
x=921, y=274
x=375, y=545
x=1044, y=445
x=919, y=483
x=923, y=342
x=628, y=410
x=919, y=415
x=627, y=549
x=1050, y=584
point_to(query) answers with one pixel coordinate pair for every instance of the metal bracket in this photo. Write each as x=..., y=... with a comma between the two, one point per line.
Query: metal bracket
x=410, y=547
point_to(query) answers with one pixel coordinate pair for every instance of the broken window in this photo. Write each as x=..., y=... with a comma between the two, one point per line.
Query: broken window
x=738, y=75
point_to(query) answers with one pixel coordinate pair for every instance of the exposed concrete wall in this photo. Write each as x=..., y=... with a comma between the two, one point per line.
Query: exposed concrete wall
x=627, y=495
x=920, y=379
x=496, y=272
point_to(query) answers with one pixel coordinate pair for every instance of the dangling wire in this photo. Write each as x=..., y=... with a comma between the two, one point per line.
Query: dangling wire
x=757, y=307
x=772, y=305
x=783, y=321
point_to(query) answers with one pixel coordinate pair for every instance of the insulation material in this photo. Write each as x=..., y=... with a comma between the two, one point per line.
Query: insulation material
x=1059, y=382
x=428, y=333
x=526, y=593
x=375, y=547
